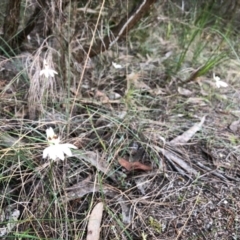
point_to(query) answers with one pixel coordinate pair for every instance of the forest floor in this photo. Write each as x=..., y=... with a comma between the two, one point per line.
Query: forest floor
x=160, y=154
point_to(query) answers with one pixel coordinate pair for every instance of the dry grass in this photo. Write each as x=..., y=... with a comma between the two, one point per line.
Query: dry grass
x=127, y=113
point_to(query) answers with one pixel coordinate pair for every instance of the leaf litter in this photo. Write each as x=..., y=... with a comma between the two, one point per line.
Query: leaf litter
x=164, y=190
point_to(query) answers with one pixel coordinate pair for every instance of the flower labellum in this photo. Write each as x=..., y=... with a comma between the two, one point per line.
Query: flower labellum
x=52, y=137
x=56, y=150
x=47, y=71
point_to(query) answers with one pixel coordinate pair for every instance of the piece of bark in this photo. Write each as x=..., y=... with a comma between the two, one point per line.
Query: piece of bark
x=11, y=23
x=94, y=223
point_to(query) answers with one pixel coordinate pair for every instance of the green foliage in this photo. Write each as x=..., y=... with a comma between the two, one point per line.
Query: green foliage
x=155, y=224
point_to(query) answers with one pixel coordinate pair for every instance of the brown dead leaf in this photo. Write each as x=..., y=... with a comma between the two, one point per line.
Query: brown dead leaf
x=102, y=96
x=134, y=165
x=94, y=223
x=157, y=91
x=134, y=79
x=133, y=76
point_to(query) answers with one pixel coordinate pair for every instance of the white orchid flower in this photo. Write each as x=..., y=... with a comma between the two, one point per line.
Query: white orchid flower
x=47, y=71
x=56, y=150
x=117, y=66
x=219, y=82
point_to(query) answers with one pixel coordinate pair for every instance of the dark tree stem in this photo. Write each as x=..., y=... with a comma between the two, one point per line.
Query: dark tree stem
x=11, y=22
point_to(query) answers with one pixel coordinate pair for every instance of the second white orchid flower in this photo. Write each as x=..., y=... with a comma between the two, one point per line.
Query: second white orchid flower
x=56, y=150
x=47, y=71
x=219, y=82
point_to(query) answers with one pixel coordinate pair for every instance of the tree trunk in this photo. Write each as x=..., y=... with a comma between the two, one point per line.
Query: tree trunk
x=119, y=31
x=11, y=24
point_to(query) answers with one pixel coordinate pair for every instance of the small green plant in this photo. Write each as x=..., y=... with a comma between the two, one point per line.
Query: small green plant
x=155, y=224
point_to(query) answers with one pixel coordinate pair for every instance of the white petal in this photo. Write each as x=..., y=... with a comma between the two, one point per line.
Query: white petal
x=53, y=153
x=45, y=62
x=59, y=151
x=48, y=72
x=223, y=84
x=45, y=72
x=67, y=151
x=50, y=133
x=60, y=155
x=46, y=152
x=220, y=83
x=54, y=72
x=117, y=66
x=42, y=72
x=69, y=145
x=50, y=152
x=216, y=78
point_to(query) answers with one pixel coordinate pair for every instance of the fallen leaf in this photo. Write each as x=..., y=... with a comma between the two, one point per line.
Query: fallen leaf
x=141, y=184
x=101, y=95
x=131, y=166
x=94, y=159
x=133, y=78
x=157, y=91
x=234, y=126
x=186, y=136
x=121, y=114
x=86, y=186
x=94, y=223
x=197, y=100
x=179, y=161
x=184, y=91
x=127, y=214
x=114, y=96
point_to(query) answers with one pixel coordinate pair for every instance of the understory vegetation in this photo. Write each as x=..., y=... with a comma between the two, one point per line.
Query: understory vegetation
x=120, y=117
